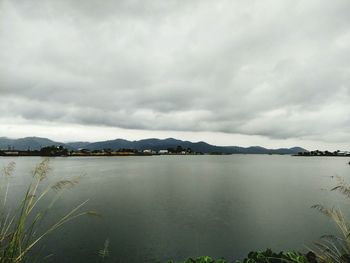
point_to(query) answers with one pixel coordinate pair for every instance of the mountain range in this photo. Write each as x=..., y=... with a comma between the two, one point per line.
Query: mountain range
x=36, y=143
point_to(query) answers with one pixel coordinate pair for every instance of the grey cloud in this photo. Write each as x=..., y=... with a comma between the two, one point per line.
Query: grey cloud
x=277, y=69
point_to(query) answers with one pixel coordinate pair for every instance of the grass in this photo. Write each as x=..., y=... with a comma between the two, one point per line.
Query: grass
x=104, y=252
x=333, y=248
x=19, y=230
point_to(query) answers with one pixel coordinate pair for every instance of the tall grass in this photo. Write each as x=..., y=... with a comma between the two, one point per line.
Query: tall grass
x=332, y=248
x=104, y=252
x=19, y=228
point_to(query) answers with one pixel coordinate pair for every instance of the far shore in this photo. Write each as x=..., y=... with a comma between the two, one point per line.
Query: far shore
x=60, y=151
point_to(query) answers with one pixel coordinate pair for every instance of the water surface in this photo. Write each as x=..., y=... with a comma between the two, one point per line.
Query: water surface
x=174, y=207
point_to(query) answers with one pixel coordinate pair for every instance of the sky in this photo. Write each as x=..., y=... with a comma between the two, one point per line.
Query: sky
x=271, y=73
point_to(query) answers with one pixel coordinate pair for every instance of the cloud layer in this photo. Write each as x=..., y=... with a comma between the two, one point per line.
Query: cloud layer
x=279, y=69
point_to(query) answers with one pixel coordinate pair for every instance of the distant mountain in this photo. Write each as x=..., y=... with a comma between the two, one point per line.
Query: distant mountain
x=158, y=144
x=35, y=143
x=77, y=145
x=31, y=143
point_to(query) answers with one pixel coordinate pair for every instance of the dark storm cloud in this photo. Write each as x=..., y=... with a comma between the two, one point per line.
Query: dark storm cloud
x=275, y=68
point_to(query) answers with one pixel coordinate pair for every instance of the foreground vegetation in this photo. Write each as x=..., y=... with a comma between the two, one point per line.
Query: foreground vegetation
x=262, y=257
x=20, y=230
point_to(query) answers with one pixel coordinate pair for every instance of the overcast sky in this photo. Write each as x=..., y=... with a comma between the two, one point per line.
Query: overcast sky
x=272, y=73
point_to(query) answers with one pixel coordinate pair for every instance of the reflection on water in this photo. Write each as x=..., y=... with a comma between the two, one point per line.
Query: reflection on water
x=161, y=207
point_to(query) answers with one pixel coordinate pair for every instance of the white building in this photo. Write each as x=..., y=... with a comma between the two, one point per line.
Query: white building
x=11, y=153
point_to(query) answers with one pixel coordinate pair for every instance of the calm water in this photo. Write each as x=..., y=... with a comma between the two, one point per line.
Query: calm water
x=162, y=207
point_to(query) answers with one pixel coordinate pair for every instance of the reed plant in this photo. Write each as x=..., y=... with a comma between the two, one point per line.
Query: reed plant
x=335, y=248
x=20, y=230
x=104, y=252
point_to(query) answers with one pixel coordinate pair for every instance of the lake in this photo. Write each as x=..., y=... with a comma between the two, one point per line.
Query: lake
x=173, y=207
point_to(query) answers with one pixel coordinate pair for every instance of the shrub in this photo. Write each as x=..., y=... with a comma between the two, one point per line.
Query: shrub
x=267, y=256
x=204, y=259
